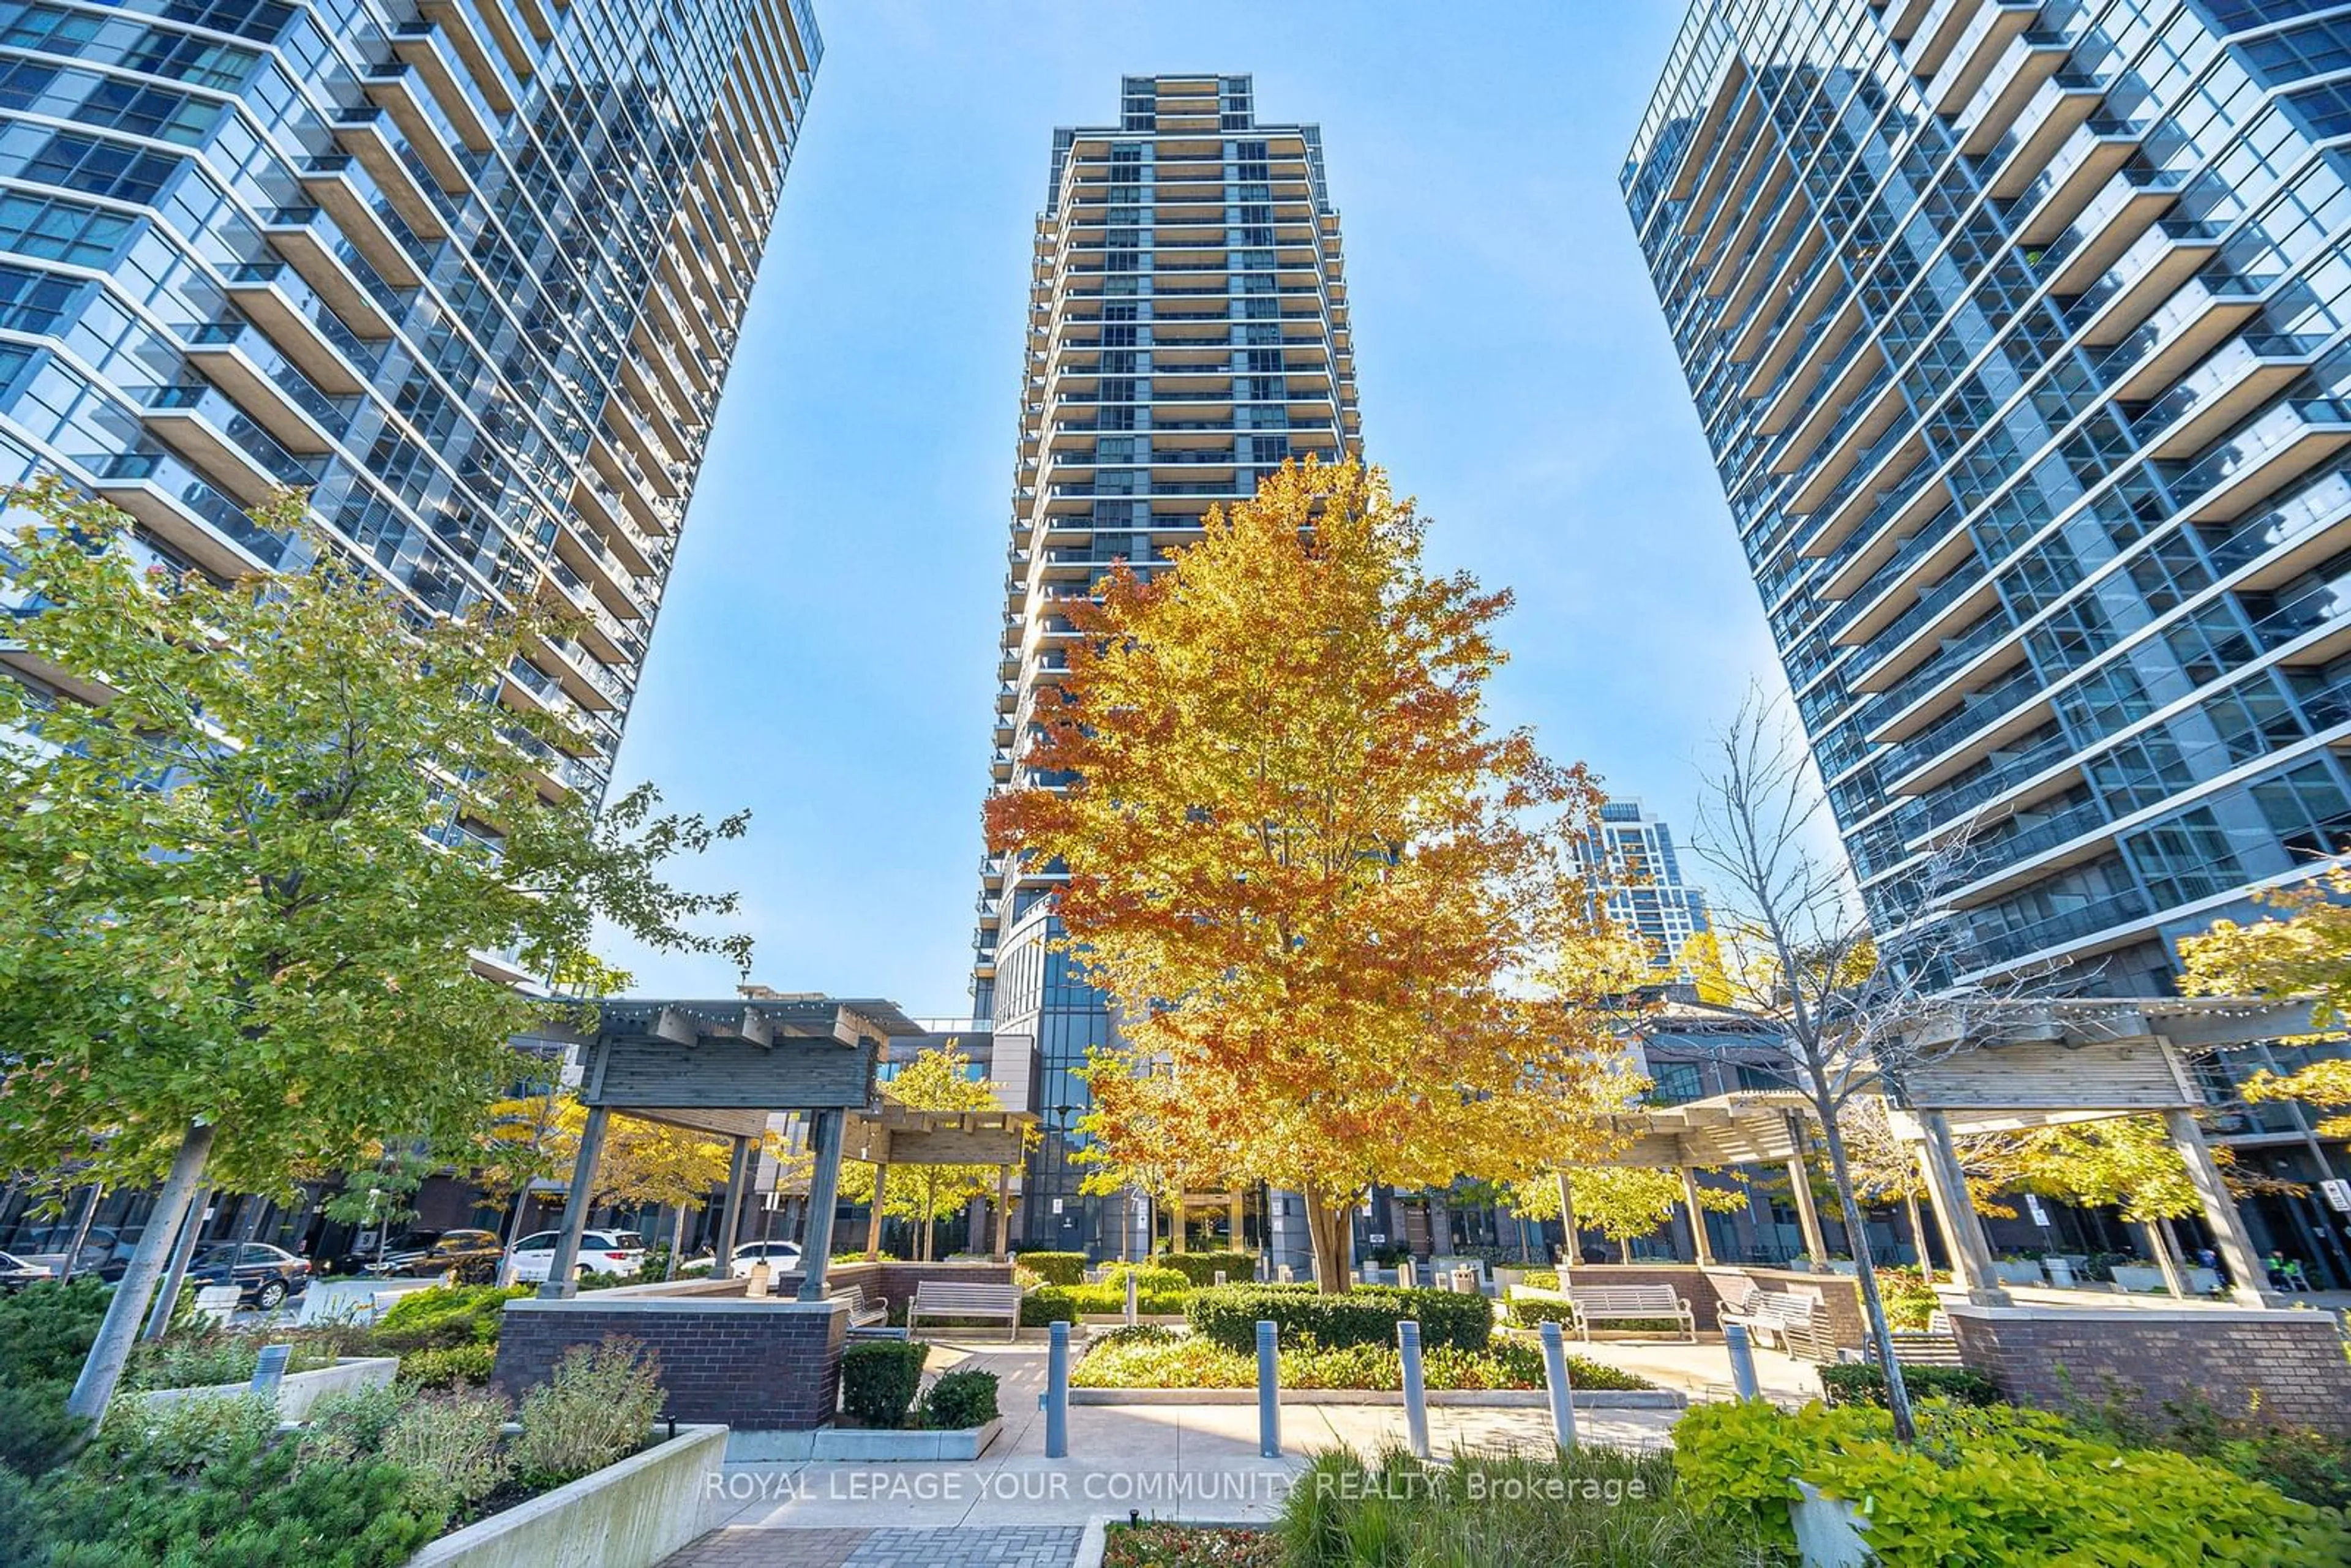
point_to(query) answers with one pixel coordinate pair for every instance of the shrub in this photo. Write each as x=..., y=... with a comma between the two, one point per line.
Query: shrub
x=1541, y=1279
x=445, y=1315
x=453, y=1447
x=2309, y=1466
x=36, y=1432
x=46, y=1329
x=595, y=1411
x=1910, y=1302
x=1068, y=1303
x=959, y=1400
x=1991, y=1486
x=1861, y=1383
x=1149, y=1280
x=458, y=1366
x=1201, y=1268
x=1593, y=1506
x=1135, y=1333
x=213, y=1356
x=1153, y=1545
x=879, y=1377
x=1055, y=1268
x=1189, y=1361
x=1367, y=1315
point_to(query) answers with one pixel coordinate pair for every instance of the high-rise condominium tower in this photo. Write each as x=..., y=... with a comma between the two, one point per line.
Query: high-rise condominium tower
x=470, y=271
x=2017, y=330
x=1187, y=332
x=1638, y=876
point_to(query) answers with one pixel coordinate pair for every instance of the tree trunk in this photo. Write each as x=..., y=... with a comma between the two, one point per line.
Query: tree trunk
x=1624, y=1250
x=80, y=1232
x=1873, y=1305
x=110, y=1351
x=175, y=1274
x=1326, y=1228
x=515, y=1212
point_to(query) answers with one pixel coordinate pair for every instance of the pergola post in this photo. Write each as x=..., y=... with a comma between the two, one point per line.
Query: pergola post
x=824, y=1191
x=1955, y=1211
x=1808, y=1215
x=560, y=1284
x=1234, y=1220
x=1701, y=1246
x=1003, y=1213
x=738, y=1178
x=1568, y=1255
x=2247, y=1279
x=873, y=1220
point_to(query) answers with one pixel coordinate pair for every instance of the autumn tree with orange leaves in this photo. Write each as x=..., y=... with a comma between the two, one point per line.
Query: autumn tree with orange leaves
x=1333, y=906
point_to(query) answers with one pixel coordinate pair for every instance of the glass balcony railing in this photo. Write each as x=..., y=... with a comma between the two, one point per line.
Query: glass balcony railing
x=2255, y=445
x=2317, y=503
x=1955, y=653
x=2010, y=770
x=194, y=494
x=1931, y=603
x=1974, y=711
x=1999, y=943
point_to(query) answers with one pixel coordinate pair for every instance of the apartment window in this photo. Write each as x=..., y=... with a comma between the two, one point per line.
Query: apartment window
x=2297, y=53
x=2325, y=110
x=61, y=231
x=260, y=20
x=2307, y=808
x=35, y=301
x=2236, y=16
x=2186, y=859
x=101, y=168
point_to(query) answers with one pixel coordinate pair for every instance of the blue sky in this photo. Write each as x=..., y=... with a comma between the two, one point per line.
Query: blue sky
x=826, y=653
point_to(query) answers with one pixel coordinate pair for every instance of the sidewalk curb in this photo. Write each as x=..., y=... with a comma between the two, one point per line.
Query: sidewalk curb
x=1458, y=1400
x=1093, y=1543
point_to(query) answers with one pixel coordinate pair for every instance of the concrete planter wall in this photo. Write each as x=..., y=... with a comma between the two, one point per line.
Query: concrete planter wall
x=1462, y=1398
x=299, y=1391
x=862, y=1445
x=2024, y=1273
x=629, y=1515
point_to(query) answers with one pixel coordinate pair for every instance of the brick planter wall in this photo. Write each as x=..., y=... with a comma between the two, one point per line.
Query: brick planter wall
x=2285, y=1367
x=759, y=1366
x=1686, y=1280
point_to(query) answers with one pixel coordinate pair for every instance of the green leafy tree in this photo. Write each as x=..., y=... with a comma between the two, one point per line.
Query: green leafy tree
x=238, y=924
x=1623, y=1203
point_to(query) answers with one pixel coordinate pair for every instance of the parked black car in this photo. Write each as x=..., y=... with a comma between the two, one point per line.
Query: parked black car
x=472, y=1255
x=264, y=1275
x=16, y=1273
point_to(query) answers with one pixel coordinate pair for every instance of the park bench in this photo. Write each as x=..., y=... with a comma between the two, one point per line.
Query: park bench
x=1935, y=1345
x=865, y=1316
x=938, y=1299
x=1595, y=1305
x=1787, y=1320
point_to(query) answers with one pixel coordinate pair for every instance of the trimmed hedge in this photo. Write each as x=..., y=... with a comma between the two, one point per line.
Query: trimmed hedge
x=879, y=1378
x=1367, y=1315
x=1055, y=1268
x=1861, y=1383
x=959, y=1401
x=1200, y=1268
x=445, y=1316
x=1068, y=1303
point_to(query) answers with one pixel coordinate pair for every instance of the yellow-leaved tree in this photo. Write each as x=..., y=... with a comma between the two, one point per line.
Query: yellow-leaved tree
x=937, y=1080
x=1317, y=884
x=2303, y=952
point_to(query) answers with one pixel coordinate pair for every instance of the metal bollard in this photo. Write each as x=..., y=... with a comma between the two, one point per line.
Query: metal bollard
x=1415, y=1388
x=1406, y=1275
x=1268, y=1392
x=1370, y=1272
x=1743, y=1361
x=1220, y=1276
x=1056, y=1398
x=1287, y=1274
x=1562, y=1392
x=1130, y=1296
x=270, y=1370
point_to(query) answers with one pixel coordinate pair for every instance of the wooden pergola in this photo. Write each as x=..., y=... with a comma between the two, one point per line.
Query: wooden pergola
x=894, y=1135
x=722, y=1068
x=1996, y=1069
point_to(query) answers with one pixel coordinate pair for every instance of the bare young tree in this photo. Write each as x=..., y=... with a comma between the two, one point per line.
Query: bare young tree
x=1855, y=1007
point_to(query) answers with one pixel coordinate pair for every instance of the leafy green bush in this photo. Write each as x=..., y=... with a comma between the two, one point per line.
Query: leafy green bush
x=2313, y=1466
x=959, y=1400
x=1861, y=1383
x=1910, y=1302
x=1595, y=1507
x=1068, y=1303
x=1541, y=1279
x=1149, y=1280
x=36, y=1432
x=1162, y=1358
x=46, y=1329
x=1993, y=1487
x=453, y=1447
x=1202, y=1268
x=457, y=1367
x=879, y=1378
x=1055, y=1268
x=1134, y=1333
x=596, y=1410
x=445, y=1315
x=211, y=1356
x=1367, y=1315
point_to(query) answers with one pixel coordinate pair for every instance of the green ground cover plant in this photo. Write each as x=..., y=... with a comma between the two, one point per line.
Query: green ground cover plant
x=1148, y=1357
x=1861, y=1383
x=1997, y=1487
x=1156, y=1545
x=1202, y=1268
x=1367, y=1315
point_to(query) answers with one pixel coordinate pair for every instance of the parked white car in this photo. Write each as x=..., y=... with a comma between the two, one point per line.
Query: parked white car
x=600, y=1252
x=780, y=1257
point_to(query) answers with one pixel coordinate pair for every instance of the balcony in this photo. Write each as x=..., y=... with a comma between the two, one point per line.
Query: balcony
x=1929, y=555
x=1874, y=486
x=185, y=511
x=2007, y=771
x=2198, y=318
x=1852, y=416
x=2225, y=390
x=313, y=249
x=2014, y=84
x=2155, y=268
x=361, y=133
x=1998, y=943
x=478, y=35
x=1993, y=865
x=2057, y=109
x=1936, y=34
x=1949, y=744
x=342, y=189
x=2131, y=201
x=2282, y=445
x=2302, y=525
x=417, y=45
x=274, y=297
x=1903, y=524
x=594, y=561
x=270, y=387
x=206, y=426
x=2088, y=159
x=1982, y=47
x=1962, y=597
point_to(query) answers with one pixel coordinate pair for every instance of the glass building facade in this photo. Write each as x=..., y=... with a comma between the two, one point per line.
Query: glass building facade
x=1637, y=874
x=1188, y=332
x=2017, y=330
x=471, y=272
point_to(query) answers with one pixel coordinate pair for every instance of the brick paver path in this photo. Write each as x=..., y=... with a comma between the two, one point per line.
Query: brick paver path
x=1018, y=1546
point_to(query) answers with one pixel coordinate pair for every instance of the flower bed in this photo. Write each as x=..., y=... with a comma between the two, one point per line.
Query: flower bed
x=1189, y=1546
x=1165, y=1358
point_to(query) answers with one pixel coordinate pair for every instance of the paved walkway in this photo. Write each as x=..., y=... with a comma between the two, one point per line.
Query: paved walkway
x=1015, y=1508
